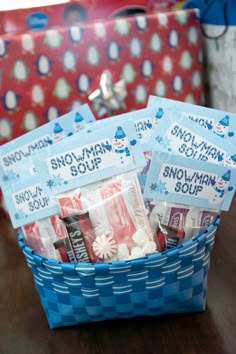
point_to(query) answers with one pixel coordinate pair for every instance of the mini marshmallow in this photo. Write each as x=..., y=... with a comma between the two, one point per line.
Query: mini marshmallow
x=123, y=252
x=149, y=247
x=137, y=252
x=112, y=259
x=140, y=237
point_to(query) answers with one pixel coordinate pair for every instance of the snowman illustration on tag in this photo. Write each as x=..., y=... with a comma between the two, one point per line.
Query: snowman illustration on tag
x=78, y=122
x=121, y=148
x=230, y=161
x=58, y=133
x=221, y=128
x=158, y=116
x=221, y=187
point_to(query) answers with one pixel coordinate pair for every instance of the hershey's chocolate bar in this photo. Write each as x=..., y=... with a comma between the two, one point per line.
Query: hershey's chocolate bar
x=76, y=238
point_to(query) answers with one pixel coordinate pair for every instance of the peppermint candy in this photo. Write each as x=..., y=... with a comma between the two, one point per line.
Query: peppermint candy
x=105, y=247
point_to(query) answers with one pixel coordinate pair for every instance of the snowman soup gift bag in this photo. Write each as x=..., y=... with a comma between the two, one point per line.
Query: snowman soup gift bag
x=120, y=215
x=196, y=133
x=111, y=204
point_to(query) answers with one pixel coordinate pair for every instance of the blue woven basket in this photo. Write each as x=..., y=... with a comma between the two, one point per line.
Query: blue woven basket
x=173, y=281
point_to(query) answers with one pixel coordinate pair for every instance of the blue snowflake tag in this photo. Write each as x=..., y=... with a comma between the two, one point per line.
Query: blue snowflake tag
x=179, y=135
x=177, y=179
x=220, y=123
x=26, y=203
x=14, y=155
x=87, y=158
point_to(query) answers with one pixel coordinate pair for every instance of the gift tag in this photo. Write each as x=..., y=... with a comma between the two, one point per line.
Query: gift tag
x=221, y=123
x=179, y=135
x=18, y=150
x=177, y=179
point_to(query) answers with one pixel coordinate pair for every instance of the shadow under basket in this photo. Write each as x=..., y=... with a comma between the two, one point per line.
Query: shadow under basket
x=170, y=282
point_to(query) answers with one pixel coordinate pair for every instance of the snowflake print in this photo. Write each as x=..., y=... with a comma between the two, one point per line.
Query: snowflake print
x=158, y=139
x=159, y=187
x=10, y=175
x=20, y=215
x=56, y=180
x=50, y=184
x=153, y=187
x=165, y=142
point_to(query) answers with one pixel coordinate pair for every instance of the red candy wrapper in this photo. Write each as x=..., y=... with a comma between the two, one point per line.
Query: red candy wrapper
x=70, y=203
x=88, y=235
x=40, y=236
x=33, y=238
x=116, y=210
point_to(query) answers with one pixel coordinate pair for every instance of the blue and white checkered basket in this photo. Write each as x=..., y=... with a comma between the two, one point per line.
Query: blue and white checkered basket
x=173, y=281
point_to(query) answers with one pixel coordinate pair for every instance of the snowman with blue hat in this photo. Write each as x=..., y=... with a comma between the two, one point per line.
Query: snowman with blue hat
x=221, y=128
x=121, y=147
x=230, y=161
x=158, y=116
x=221, y=187
x=58, y=133
x=78, y=122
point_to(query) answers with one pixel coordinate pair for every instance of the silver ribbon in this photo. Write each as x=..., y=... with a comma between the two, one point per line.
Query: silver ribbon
x=109, y=97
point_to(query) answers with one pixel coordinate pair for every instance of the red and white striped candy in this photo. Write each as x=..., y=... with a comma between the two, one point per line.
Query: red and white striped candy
x=105, y=246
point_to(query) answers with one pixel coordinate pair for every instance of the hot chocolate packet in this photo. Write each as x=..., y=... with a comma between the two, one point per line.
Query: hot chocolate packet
x=198, y=220
x=176, y=223
x=169, y=214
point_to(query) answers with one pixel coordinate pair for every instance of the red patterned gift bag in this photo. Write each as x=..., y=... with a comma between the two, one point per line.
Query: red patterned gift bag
x=47, y=73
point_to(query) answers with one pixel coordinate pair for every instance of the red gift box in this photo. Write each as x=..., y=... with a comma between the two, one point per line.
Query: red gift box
x=47, y=73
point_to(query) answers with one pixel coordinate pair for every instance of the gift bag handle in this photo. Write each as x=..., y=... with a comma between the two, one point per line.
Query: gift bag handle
x=207, y=8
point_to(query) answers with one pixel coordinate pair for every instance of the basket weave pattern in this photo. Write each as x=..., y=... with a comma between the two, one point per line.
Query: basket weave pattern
x=173, y=281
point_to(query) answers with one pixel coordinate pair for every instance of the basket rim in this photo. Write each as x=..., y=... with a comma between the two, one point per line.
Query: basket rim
x=156, y=256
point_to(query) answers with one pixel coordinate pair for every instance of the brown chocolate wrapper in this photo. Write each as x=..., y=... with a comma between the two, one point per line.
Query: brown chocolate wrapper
x=76, y=238
x=64, y=248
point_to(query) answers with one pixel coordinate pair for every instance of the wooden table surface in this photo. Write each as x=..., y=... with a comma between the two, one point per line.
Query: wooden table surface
x=24, y=328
